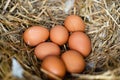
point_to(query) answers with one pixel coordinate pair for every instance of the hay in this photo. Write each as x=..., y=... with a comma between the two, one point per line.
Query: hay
x=102, y=18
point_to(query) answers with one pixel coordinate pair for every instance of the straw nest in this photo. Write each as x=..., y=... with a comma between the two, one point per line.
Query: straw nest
x=102, y=18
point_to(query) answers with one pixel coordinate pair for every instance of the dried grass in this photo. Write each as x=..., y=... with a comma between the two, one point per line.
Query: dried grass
x=102, y=18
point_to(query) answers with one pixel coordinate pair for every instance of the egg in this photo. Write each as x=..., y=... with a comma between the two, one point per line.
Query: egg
x=74, y=62
x=74, y=23
x=80, y=42
x=35, y=35
x=54, y=65
x=59, y=35
x=45, y=49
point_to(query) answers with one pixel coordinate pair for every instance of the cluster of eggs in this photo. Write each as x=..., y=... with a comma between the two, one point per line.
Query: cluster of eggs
x=53, y=61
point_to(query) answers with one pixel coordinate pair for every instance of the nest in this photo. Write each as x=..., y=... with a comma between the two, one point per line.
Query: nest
x=102, y=18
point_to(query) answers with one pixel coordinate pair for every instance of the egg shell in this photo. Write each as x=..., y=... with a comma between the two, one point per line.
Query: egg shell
x=74, y=23
x=74, y=61
x=80, y=42
x=54, y=65
x=35, y=35
x=45, y=49
x=59, y=35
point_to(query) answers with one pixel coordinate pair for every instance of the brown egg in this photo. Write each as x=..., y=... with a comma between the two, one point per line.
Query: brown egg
x=74, y=61
x=35, y=35
x=45, y=49
x=54, y=65
x=80, y=41
x=59, y=35
x=74, y=23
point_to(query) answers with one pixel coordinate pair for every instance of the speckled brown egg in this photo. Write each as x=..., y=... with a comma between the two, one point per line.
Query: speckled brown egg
x=45, y=49
x=74, y=61
x=74, y=23
x=35, y=35
x=54, y=65
x=80, y=42
x=59, y=35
